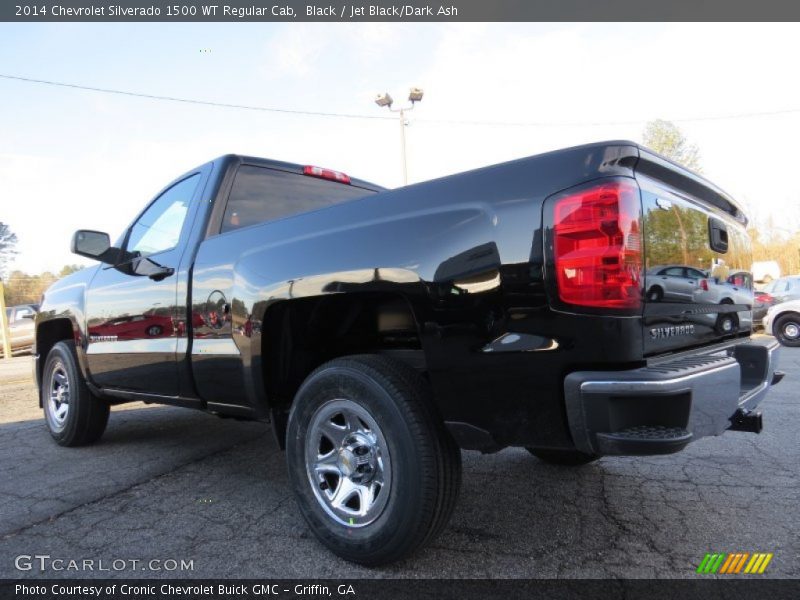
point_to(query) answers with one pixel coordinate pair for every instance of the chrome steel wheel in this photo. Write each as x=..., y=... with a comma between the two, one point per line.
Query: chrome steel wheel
x=791, y=330
x=348, y=463
x=58, y=397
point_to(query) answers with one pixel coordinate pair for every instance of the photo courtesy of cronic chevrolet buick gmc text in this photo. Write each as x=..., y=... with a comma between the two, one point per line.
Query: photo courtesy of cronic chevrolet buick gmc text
x=381, y=331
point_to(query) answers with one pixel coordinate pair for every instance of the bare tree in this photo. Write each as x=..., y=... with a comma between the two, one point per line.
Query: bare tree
x=666, y=138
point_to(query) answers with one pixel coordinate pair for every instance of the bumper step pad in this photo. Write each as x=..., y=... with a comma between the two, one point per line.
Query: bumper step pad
x=644, y=439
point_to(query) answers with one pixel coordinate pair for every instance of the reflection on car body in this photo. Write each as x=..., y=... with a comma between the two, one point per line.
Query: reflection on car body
x=673, y=283
x=21, y=328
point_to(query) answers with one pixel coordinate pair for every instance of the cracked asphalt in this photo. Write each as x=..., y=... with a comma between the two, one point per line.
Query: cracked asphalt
x=169, y=483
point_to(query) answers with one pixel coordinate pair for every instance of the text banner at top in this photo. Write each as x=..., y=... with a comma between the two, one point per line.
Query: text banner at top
x=401, y=11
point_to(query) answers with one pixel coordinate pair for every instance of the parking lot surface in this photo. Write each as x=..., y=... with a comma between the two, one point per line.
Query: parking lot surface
x=173, y=484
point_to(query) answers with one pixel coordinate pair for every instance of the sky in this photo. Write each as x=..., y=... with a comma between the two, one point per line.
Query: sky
x=73, y=159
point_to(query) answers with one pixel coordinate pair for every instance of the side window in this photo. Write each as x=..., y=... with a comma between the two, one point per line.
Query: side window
x=159, y=228
x=673, y=272
x=782, y=285
x=695, y=274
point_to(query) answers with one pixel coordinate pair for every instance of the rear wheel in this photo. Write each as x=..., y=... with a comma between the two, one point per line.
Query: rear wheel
x=74, y=416
x=727, y=323
x=655, y=294
x=567, y=458
x=787, y=329
x=375, y=473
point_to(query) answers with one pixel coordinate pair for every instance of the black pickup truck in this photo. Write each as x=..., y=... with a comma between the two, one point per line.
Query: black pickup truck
x=571, y=303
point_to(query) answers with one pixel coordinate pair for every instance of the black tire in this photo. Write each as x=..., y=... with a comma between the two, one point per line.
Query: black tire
x=391, y=403
x=655, y=294
x=73, y=415
x=787, y=329
x=727, y=323
x=567, y=458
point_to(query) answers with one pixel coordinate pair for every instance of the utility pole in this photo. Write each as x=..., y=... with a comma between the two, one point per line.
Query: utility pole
x=403, y=144
x=414, y=96
x=4, y=334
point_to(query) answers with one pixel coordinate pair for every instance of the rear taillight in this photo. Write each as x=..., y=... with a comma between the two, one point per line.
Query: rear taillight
x=764, y=297
x=597, y=245
x=704, y=285
x=326, y=174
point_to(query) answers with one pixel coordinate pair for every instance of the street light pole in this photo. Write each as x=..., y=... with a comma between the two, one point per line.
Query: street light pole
x=414, y=96
x=403, y=145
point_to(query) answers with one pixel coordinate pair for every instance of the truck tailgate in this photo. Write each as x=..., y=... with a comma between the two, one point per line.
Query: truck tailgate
x=697, y=282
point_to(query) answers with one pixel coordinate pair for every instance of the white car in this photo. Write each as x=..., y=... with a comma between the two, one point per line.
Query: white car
x=783, y=321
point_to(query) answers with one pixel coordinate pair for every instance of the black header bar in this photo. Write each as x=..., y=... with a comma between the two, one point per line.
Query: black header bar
x=698, y=588
x=399, y=11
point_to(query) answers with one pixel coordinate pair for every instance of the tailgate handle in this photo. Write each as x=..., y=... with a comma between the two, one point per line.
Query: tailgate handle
x=718, y=235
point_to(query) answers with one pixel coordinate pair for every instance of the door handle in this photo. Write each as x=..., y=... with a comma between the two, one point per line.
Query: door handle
x=717, y=235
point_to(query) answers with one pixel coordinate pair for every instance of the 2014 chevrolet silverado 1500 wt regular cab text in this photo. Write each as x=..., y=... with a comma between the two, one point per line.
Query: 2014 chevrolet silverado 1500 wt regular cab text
x=381, y=331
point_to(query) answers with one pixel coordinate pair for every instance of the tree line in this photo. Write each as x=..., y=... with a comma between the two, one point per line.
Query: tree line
x=24, y=288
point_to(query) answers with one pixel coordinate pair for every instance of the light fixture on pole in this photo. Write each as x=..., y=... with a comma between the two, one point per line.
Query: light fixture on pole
x=385, y=100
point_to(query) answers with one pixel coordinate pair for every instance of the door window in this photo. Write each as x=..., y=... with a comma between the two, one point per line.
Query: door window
x=159, y=228
x=674, y=272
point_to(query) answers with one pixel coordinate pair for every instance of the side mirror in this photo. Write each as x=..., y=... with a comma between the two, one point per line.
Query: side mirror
x=93, y=244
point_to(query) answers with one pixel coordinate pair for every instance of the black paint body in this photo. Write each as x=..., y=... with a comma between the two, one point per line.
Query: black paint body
x=467, y=256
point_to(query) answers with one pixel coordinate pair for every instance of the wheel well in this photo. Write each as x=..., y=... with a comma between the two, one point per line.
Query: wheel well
x=48, y=334
x=300, y=335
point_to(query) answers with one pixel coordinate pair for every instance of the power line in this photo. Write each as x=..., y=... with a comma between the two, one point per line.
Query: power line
x=193, y=101
x=382, y=118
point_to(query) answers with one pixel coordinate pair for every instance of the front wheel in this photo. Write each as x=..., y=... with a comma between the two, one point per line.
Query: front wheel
x=787, y=329
x=374, y=472
x=74, y=416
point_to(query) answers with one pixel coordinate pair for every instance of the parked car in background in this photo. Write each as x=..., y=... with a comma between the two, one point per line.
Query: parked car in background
x=735, y=289
x=765, y=271
x=783, y=321
x=21, y=327
x=761, y=302
x=673, y=283
x=784, y=289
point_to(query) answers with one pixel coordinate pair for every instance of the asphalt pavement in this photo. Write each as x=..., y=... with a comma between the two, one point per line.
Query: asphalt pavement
x=168, y=484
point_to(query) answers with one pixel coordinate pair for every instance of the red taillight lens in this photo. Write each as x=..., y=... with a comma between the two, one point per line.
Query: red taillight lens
x=326, y=174
x=704, y=285
x=764, y=297
x=597, y=245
